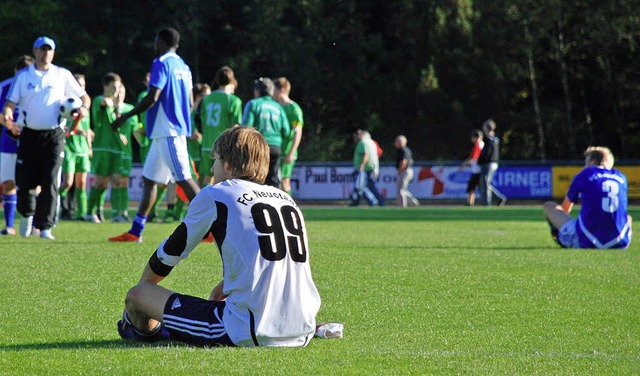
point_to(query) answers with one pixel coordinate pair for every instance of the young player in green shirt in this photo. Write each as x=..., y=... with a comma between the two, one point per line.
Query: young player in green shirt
x=77, y=164
x=219, y=111
x=120, y=193
x=140, y=133
x=108, y=147
x=194, y=143
x=290, y=144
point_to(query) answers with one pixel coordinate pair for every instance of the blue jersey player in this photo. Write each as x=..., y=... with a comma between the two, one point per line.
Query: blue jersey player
x=168, y=122
x=9, y=154
x=603, y=221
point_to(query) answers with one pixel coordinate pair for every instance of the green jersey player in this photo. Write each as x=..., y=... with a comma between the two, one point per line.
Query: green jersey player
x=194, y=143
x=77, y=164
x=108, y=146
x=269, y=118
x=289, y=144
x=219, y=111
x=141, y=131
x=120, y=192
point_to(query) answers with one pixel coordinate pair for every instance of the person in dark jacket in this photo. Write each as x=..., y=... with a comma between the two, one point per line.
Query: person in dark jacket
x=488, y=161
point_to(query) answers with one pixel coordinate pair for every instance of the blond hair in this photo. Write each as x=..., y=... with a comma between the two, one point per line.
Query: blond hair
x=601, y=155
x=283, y=85
x=246, y=152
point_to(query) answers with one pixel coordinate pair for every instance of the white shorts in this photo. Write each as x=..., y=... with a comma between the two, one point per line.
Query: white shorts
x=8, y=166
x=568, y=234
x=167, y=158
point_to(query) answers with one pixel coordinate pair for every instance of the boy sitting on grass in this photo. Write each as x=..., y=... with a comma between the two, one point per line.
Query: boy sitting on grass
x=267, y=296
x=603, y=221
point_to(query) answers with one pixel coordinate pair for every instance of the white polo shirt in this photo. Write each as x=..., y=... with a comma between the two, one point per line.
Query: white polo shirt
x=38, y=94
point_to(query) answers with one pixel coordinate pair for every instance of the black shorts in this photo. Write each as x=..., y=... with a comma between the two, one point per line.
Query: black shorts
x=473, y=183
x=196, y=321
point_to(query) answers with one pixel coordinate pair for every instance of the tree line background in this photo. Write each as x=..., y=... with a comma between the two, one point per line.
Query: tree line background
x=555, y=75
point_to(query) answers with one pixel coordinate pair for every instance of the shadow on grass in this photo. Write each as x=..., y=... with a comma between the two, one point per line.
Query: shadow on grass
x=81, y=345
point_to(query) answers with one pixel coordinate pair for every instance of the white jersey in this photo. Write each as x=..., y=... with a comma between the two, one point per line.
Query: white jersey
x=38, y=93
x=261, y=235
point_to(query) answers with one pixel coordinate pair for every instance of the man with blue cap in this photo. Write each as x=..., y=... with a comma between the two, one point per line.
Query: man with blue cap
x=38, y=90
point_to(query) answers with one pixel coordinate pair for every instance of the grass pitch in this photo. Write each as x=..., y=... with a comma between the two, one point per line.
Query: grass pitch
x=430, y=290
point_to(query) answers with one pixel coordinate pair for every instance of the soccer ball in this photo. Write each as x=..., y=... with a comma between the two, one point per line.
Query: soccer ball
x=69, y=107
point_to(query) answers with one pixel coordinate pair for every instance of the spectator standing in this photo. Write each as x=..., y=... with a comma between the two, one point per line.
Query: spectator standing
x=38, y=91
x=366, y=165
x=488, y=161
x=404, y=167
x=474, y=180
x=9, y=154
x=270, y=119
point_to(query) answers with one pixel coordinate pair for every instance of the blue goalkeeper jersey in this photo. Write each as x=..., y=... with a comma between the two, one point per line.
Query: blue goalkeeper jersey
x=171, y=115
x=602, y=222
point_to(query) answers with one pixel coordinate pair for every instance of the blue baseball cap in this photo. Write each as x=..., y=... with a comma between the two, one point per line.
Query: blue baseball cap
x=44, y=41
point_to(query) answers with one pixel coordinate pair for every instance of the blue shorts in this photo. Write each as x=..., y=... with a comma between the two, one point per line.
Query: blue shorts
x=196, y=321
x=568, y=234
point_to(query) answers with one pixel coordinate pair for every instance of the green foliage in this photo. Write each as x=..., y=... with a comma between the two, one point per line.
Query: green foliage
x=429, y=69
x=430, y=290
x=428, y=80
